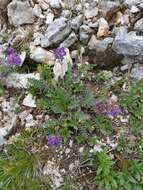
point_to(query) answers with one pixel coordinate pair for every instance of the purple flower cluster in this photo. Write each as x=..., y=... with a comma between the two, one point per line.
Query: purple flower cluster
x=113, y=110
x=101, y=108
x=107, y=109
x=13, y=58
x=54, y=140
x=60, y=53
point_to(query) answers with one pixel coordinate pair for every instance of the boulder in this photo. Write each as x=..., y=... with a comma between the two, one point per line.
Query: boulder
x=100, y=52
x=84, y=34
x=56, y=33
x=139, y=25
x=69, y=41
x=20, y=13
x=137, y=73
x=129, y=45
x=41, y=55
x=76, y=22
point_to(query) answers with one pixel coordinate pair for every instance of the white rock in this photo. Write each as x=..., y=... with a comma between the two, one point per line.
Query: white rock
x=17, y=80
x=134, y=9
x=20, y=13
x=55, y=4
x=29, y=101
x=41, y=55
x=90, y=13
x=67, y=151
x=37, y=11
x=23, y=115
x=124, y=120
x=3, y=133
x=44, y=4
x=49, y=18
x=23, y=57
x=103, y=28
x=114, y=98
x=53, y=173
x=81, y=149
x=29, y=118
x=37, y=38
x=71, y=143
x=71, y=167
x=66, y=13
x=5, y=130
x=92, y=42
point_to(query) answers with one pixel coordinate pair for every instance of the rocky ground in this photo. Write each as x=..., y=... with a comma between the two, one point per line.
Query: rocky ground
x=94, y=113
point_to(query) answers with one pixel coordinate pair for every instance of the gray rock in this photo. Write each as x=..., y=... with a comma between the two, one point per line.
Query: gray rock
x=76, y=22
x=84, y=34
x=137, y=73
x=91, y=12
x=108, y=7
x=20, y=13
x=8, y=117
x=100, y=52
x=56, y=33
x=131, y=3
x=56, y=4
x=129, y=45
x=102, y=45
x=69, y=41
x=94, y=25
x=139, y=25
x=66, y=13
x=17, y=80
x=37, y=10
x=52, y=175
x=141, y=6
x=41, y=55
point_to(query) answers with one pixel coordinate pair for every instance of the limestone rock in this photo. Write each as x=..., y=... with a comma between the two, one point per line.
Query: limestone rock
x=100, y=53
x=129, y=45
x=137, y=73
x=139, y=25
x=90, y=13
x=84, y=34
x=41, y=55
x=17, y=80
x=76, y=22
x=49, y=18
x=56, y=4
x=109, y=8
x=69, y=41
x=56, y=33
x=20, y=13
x=29, y=101
x=131, y=3
x=52, y=171
x=103, y=29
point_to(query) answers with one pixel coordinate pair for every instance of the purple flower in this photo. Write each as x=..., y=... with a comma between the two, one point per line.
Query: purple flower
x=104, y=108
x=113, y=110
x=13, y=58
x=101, y=108
x=54, y=140
x=60, y=53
